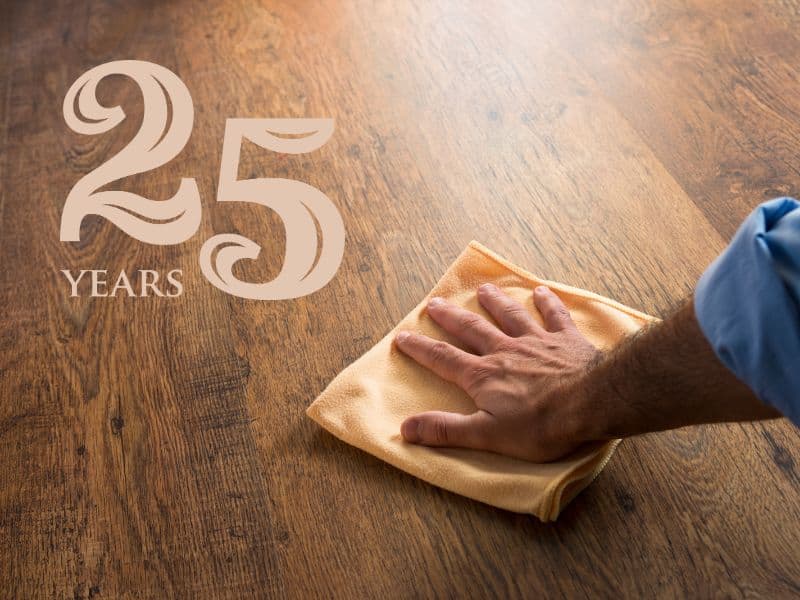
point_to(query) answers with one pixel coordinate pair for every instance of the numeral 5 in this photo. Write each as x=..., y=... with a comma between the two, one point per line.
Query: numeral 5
x=298, y=204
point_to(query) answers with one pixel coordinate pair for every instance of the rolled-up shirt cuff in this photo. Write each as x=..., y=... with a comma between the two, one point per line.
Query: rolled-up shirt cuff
x=748, y=305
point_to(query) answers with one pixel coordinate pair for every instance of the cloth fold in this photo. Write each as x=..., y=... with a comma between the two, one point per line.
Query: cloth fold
x=366, y=403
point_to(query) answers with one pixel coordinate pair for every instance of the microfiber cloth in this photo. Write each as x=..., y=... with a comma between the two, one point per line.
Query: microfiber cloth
x=366, y=403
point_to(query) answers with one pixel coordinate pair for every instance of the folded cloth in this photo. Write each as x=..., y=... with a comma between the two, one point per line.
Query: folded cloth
x=366, y=403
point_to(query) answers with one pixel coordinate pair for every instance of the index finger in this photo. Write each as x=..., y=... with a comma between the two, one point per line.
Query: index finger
x=466, y=326
x=448, y=362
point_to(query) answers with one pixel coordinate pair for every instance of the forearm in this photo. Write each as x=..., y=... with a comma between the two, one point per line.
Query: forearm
x=665, y=377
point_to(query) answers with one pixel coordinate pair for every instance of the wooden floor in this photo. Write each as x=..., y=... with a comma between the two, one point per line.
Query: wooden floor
x=158, y=447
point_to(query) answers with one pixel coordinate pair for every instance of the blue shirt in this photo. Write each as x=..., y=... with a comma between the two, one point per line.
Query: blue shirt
x=748, y=305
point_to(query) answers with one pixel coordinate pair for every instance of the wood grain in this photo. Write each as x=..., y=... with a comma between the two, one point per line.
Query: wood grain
x=157, y=447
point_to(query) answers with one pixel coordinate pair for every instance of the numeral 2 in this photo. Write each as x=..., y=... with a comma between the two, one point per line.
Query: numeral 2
x=168, y=221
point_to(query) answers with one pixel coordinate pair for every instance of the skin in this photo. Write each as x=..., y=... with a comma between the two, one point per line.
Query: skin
x=541, y=391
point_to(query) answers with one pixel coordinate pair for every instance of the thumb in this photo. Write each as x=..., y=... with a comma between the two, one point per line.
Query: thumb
x=438, y=428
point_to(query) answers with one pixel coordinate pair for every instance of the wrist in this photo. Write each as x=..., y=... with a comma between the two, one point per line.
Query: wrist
x=586, y=417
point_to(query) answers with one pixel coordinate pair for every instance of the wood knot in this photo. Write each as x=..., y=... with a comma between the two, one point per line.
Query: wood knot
x=117, y=423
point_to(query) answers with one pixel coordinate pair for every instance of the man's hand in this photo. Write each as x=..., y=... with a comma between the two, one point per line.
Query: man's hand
x=541, y=392
x=520, y=375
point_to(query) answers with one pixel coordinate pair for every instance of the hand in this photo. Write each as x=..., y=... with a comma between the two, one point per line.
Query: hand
x=521, y=376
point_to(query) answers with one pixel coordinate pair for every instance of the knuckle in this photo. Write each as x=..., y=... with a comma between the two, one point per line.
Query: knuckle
x=480, y=374
x=438, y=430
x=503, y=365
x=561, y=313
x=513, y=311
x=487, y=373
x=469, y=320
x=439, y=352
x=505, y=345
x=552, y=346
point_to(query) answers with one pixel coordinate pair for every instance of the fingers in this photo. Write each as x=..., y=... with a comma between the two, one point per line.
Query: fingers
x=448, y=429
x=448, y=362
x=555, y=315
x=465, y=325
x=512, y=317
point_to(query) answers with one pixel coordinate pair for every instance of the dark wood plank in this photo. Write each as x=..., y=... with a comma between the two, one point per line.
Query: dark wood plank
x=158, y=447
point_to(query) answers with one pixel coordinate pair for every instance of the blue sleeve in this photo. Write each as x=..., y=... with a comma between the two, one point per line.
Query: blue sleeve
x=748, y=305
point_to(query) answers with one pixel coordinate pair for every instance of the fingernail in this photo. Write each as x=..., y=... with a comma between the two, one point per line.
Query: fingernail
x=436, y=301
x=402, y=337
x=410, y=430
x=487, y=287
x=542, y=289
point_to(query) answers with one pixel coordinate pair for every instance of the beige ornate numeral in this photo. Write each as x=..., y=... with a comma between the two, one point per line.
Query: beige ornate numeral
x=302, y=207
x=152, y=221
x=298, y=204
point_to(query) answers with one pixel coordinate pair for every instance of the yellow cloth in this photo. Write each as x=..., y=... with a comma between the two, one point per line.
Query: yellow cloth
x=366, y=403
